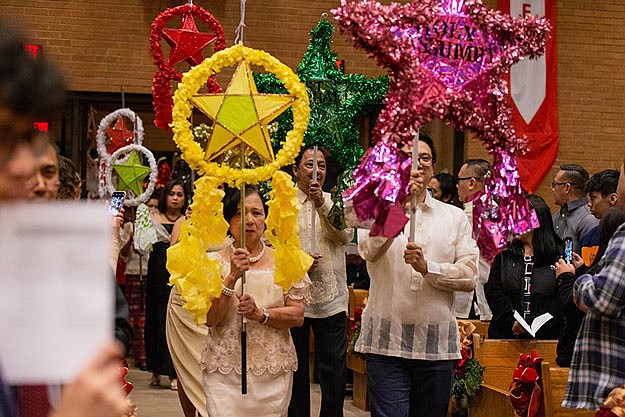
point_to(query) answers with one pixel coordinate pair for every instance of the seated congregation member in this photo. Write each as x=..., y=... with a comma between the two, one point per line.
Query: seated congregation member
x=611, y=219
x=598, y=363
x=601, y=192
x=271, y=358
x=409, y=333
x=522, y=279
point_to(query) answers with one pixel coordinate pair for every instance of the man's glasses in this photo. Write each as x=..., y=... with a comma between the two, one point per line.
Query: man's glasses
x=554, y=184
x=425, y=160
x=467, y=179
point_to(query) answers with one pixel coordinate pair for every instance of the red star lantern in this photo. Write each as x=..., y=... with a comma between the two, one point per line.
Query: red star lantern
x=187, y=42
x=120, y=136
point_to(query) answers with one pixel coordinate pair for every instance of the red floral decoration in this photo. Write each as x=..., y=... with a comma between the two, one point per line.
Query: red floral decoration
x=604, y=412
x=354, y=331
x=161, y=87
x=123, y=372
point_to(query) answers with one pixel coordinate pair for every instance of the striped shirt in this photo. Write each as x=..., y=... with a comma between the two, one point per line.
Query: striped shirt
x=598, y=363
x=410, y=315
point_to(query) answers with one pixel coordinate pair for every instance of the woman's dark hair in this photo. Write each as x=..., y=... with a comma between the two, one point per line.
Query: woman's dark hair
x=162, y=201
x=447, y=183
x=232, y=198
x=547, y=245
x=610, y=221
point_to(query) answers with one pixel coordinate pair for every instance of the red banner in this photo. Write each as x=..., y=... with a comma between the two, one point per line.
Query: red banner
x=533, y=87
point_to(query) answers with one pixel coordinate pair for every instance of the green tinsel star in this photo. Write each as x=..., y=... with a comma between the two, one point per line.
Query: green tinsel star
x=335, y=99
x=131, y=174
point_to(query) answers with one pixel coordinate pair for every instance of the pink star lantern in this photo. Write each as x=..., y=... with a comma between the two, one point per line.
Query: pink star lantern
x=187, y=42
x=447, y=59
x=120, y=136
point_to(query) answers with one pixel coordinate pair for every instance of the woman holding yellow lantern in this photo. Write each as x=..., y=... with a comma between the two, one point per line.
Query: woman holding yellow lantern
x=215, y=288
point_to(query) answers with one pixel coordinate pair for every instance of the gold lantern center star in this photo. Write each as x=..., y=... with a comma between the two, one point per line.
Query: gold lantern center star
x=241, y=114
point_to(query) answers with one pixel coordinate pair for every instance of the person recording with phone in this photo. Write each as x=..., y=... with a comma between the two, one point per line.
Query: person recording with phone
x=171, y=206
x=568, y=272
x=598, y=364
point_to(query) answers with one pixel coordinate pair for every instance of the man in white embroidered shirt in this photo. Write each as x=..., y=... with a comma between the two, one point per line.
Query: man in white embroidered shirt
x=326, y=312
x=409, y=333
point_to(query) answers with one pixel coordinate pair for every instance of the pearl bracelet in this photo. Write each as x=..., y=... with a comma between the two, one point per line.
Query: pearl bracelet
x=227, y=292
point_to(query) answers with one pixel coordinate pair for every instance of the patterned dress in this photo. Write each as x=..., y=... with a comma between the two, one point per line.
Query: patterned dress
x=271, y=358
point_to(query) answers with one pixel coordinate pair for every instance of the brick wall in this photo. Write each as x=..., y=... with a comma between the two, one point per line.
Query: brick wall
x=103, y=44
x=591, y=87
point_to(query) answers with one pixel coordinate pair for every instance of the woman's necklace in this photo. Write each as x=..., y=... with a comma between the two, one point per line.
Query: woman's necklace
x=256, y=258
x=170, y=219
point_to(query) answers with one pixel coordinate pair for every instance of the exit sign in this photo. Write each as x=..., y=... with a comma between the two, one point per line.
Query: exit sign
x=34, y=50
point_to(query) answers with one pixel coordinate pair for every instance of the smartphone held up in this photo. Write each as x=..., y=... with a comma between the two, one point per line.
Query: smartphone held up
x=568, y=250
x=117, y=202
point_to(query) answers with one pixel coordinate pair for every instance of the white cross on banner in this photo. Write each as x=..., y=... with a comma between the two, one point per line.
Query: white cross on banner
x=533, y=86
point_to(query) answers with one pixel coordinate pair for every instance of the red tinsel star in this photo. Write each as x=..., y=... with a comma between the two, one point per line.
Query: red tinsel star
x=187, y=42
x=120, y=136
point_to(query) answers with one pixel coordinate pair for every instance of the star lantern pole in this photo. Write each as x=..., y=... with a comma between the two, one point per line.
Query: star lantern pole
x=447, y=59
x=240, y=117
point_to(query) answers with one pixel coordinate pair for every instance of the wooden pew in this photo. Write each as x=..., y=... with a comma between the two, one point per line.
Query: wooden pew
x=490, y=401
x=357, y=363
x=500, y=357
x=554, y=385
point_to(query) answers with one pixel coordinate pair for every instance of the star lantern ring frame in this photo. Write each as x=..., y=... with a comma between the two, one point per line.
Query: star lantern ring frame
x=192, y=81
x=142, y=197
x=109, y=121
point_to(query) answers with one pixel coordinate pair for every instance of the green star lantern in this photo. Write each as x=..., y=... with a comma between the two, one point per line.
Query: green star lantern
x=131, y=174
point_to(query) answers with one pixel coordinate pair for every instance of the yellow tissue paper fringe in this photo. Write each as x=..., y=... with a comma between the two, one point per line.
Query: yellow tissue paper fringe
x=291, y=262
x=191, y=83
x=196, y=276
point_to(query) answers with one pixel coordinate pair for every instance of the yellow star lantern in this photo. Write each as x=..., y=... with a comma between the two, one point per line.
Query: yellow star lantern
x=242, y=114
